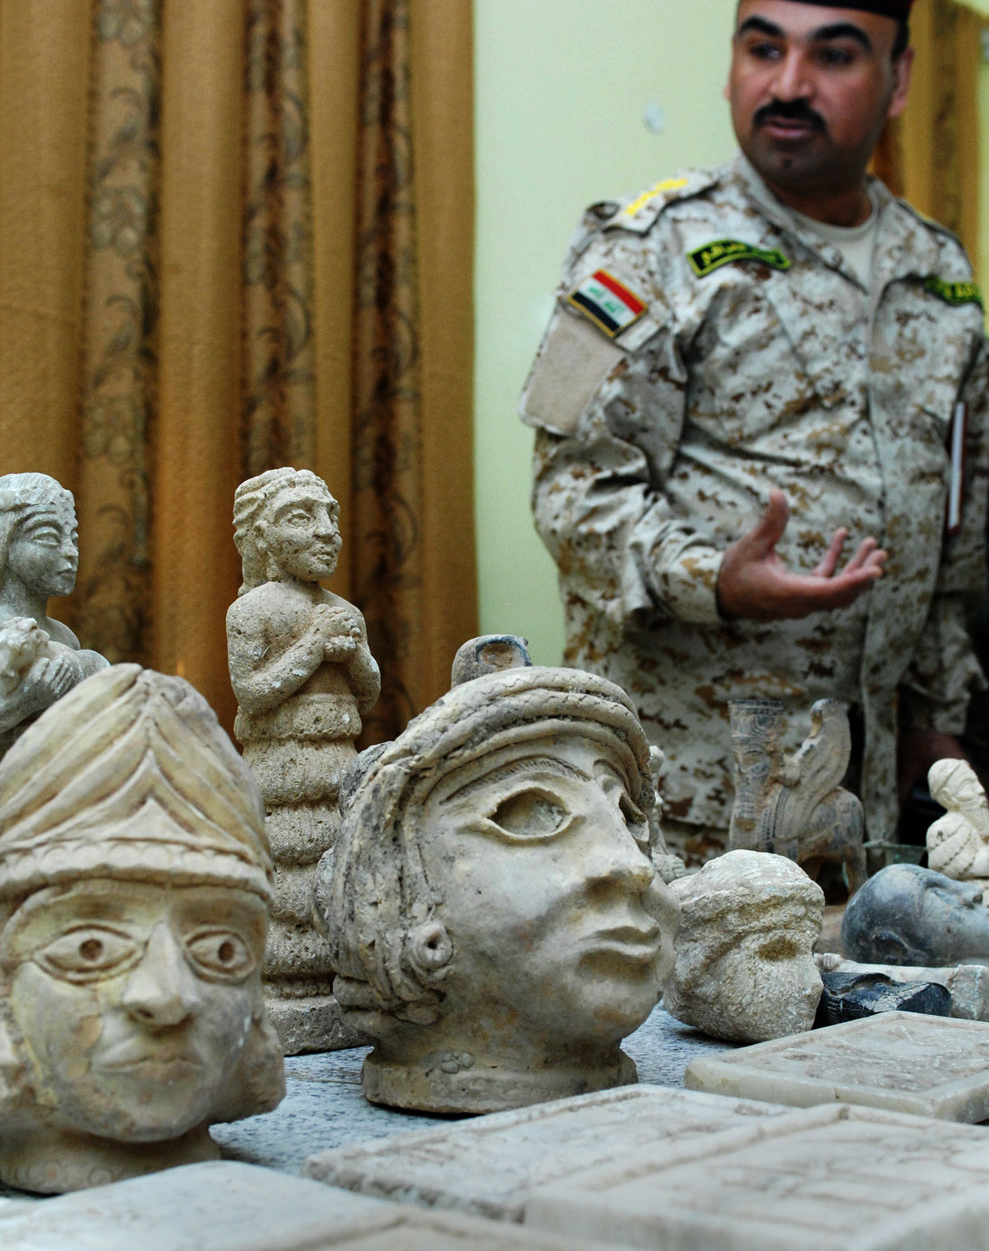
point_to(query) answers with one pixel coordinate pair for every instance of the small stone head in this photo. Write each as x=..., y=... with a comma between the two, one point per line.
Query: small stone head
x=38, y=534
x=492, y=899
x=134, y=889
x=286, y=527
x=744, y=968
x=906, y=914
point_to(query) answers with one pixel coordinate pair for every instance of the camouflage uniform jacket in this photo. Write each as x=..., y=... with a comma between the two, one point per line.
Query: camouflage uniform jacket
x=704, y=349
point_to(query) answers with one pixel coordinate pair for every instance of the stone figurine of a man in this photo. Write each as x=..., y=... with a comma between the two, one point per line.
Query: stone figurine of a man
x=304, y=677
x=492, y=905
x=135, y=883
x=40, y=658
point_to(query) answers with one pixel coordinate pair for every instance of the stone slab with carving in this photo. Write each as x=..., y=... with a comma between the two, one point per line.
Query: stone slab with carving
x=304, y=678
x=822, y=1179
x=40, y=658
x=491, y=1165
x=135, y=882
x=794, y=805
x=928, y=1065
x=492, y=903
x=967, y=984
x=744, y=967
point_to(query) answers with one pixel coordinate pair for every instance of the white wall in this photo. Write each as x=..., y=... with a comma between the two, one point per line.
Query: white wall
x=561, y=87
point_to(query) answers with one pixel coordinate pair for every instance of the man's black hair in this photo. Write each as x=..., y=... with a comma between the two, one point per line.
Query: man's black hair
x=902, y=41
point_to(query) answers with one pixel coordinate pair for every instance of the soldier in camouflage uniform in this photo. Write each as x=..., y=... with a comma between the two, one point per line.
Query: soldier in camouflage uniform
x=720, y=351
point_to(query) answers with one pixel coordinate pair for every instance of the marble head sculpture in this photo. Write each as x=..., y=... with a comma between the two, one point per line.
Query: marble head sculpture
x=492, y=907
x=134, y=889
x=40, y=658
x=906, y=914
x=744, y=968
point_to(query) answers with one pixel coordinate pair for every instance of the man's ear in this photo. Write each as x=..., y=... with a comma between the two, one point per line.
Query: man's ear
x=902, y=69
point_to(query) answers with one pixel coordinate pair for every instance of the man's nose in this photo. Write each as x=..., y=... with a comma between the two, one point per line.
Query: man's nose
x=792, y=80
x=162, y=990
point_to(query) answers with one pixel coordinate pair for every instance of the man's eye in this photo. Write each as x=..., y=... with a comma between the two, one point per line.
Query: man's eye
x=832, y=57
x=88, y=953
x=220, y=953
x=763, y=51
x=530, y=814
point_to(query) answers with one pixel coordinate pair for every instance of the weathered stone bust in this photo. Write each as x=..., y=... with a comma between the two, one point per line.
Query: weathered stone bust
x=906, y=914
x=40, y=658
x=958, y=843
x=303, y=676
x=134, y=891
x=492, y=906
x=744, y=967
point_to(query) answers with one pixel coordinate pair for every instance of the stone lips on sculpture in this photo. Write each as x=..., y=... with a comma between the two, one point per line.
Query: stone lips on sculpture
x=304, y=677
x=134, y=888
x=40, y=658
x=744, y=967
x=492, y=907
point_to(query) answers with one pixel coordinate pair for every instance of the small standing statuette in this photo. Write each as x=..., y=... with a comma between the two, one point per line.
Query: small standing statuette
x=304, y=677
x=492, y=906
x=958, y=842
x=795, y=806
x=135, y=882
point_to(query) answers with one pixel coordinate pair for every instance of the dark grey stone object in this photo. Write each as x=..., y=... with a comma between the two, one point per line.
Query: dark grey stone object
x=849, y=996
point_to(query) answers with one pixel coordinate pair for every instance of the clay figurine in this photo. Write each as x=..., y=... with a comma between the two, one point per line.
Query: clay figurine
x=40, y=658
x=958, y=842
x=795, y=806
x=303, y=676
x=744, y=967
x=134, y=890
x=909, y=915
x=492, y=906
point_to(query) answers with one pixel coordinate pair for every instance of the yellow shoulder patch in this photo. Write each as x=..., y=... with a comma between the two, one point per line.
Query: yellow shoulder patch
x=668, y=184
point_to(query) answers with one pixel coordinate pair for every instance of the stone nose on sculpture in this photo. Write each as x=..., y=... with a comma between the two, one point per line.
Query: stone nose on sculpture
x=162, y=990
x=615, y=857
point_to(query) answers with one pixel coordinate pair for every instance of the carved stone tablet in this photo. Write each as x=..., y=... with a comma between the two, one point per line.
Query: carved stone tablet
x=490, y=1166
x=930, y=1065
x=825, y=1179
x=239, y=1207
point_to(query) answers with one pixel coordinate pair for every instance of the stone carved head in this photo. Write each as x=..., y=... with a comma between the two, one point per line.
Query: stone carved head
x=286, y=527
x=38, y=538
x=744, y=968
x=906, y=914
x=134, y=889
x=491, y=905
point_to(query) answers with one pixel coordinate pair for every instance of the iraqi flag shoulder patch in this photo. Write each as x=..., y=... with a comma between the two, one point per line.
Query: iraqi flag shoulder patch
x=611, y=305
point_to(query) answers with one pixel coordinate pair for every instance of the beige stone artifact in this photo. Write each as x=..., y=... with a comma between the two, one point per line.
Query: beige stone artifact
x=958, y=843
x=134, y=891
x=303, y=676
x=822, y=1179
x=929, y=1065
x=491, y=1165
x=795, y=806
x=744, y=968
x=40, y=658
x=492, y=906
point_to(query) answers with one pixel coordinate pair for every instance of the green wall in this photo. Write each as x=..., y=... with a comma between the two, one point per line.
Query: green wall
x=561, y=88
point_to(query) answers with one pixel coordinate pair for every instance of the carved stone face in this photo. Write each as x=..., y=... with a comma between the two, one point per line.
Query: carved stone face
x=300, y=534
x=44, y=552
x=133, y=1000
x=561, y=930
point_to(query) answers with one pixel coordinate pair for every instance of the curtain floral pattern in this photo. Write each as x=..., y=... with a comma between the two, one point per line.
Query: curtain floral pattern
x=233, y=236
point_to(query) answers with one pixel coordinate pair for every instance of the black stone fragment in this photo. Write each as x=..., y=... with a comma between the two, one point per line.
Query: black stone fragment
x=849, y=996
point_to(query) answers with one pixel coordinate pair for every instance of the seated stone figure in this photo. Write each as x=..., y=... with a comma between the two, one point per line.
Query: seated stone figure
x=958, y=842
x=134, y=887
x=40, y=658
x=744, y=968
x=492, y=907
x=906, y=914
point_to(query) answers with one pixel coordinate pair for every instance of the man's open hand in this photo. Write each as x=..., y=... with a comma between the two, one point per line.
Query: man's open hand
x=756, y=585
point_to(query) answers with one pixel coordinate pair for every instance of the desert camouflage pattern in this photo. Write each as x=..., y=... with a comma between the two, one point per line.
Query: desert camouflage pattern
x=657, y=446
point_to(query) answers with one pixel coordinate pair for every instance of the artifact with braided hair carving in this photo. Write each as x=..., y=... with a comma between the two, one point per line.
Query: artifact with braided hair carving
x=958, y=842
x=492, y=906
x=303, y=676
x=135, y=882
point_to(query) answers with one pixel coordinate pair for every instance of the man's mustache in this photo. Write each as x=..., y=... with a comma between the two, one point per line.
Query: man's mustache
x=795, y=111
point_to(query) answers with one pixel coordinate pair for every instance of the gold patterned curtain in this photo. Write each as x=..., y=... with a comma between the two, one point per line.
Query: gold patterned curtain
x=930, y=154
x=236, y=235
